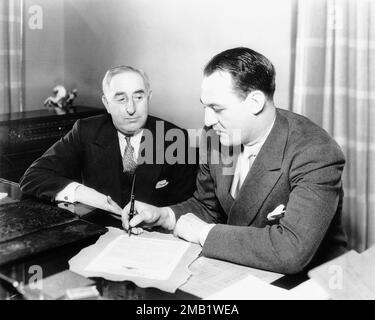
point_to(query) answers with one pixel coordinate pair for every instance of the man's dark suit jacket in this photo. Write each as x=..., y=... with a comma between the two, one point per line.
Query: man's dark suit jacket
x=90, y=154
x=299, y=166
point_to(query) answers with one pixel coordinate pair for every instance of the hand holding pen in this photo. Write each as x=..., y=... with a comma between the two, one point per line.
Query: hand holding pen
x=144, y=216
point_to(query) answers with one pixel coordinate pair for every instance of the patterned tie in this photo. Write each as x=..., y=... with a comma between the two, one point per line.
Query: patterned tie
x=128, y=162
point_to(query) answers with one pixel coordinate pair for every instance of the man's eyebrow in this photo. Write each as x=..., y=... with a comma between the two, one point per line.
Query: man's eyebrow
x=139, y=91
x=117, y=94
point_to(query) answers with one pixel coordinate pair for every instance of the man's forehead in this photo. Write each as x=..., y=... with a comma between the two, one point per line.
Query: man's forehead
x=216, y=83
x=127, y=82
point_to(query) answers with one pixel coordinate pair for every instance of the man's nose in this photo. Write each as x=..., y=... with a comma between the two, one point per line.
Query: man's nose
x=130, y=108
x=209, y=117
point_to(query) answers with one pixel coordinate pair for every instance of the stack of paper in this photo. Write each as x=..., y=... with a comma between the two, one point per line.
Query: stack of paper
x=309, y=290
x=212, y=275
x=350, y=276
x=151, y=259
x=139, y=257
x=251, y=288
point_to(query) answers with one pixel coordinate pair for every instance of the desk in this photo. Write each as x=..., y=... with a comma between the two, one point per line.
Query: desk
x=55, y=261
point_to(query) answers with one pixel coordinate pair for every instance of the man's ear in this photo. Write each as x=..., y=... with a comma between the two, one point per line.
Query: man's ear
x=105, y=102
x=149, y=95
x=256, y=100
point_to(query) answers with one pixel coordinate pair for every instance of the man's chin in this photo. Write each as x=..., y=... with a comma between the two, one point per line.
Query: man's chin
x=132, y=127
x=131, y=130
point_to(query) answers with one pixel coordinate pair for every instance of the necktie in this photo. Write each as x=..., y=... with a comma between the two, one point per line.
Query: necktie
x=243, y=167
x=129, y=165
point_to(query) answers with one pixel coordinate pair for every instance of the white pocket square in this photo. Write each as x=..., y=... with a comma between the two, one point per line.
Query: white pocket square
x=161, y=184
x=277, y=213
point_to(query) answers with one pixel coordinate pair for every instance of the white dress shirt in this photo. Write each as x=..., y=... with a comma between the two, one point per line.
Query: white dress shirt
x=244, y=162
x=68, y=193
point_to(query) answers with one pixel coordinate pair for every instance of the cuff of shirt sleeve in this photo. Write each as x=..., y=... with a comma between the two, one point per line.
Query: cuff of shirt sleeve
x=204, y=233
x=68, y=193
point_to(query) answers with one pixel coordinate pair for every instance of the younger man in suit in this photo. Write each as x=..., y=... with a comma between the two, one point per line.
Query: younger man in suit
x=279, y=209
x=95, y=162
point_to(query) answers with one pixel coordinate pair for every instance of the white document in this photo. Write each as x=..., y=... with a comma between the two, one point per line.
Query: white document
x=139, y=257
x=309, y=290
x=209, y=276
x=252, y=288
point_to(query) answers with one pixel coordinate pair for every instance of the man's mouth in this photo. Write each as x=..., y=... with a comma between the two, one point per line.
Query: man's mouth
x=131, y=119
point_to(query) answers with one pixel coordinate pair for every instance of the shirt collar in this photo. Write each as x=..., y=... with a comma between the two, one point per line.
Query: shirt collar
x=135, y=139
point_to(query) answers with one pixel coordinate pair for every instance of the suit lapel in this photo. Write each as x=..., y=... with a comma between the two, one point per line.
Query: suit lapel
x=262, y=176
x=224, y=173
x=107, y=155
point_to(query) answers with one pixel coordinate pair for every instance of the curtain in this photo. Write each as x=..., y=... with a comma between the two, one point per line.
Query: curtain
x=334, y=85
x=11, y=56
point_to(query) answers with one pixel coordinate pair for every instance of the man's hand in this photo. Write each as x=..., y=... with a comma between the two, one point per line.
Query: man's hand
x=190, y=228
x=147, y=216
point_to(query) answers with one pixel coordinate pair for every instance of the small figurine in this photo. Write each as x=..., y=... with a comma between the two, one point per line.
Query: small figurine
x=62, y=100
x=71, y=96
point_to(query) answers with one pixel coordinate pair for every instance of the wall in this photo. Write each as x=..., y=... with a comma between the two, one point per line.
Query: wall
x=171, y=40
x=44, y=52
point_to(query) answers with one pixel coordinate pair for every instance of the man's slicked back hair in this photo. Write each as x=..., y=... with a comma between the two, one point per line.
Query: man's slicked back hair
x=249, y=69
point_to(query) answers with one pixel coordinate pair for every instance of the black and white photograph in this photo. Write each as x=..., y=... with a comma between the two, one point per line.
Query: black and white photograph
x=204, y=152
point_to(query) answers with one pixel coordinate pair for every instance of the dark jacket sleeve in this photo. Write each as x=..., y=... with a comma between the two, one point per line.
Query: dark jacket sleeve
x=56, y=168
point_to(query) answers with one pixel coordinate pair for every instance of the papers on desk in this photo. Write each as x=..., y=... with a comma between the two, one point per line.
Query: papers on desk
x=251, y=288
x=212, y=275
x=350, y=276
x=140, y=257
x=309, y=290
x=151, y=259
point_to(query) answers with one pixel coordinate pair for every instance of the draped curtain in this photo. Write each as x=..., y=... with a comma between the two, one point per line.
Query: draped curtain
x=11, y=56
x=334, y=85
